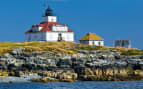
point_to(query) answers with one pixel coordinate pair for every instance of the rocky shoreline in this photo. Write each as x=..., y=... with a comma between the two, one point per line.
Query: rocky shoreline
x=85, y=65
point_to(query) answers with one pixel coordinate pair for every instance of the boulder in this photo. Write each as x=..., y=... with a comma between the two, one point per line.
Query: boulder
x=83, y=51
x=51, y=62
x=17, y=51
x=141, y=57
x=80, y=55
x=103, y=57
x=64, y=63
x=7, y=55
x=93, y=52
x=19, y=74
x=65, y=75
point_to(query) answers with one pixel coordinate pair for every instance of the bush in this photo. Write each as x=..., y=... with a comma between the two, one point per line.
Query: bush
x=90, y=48
x=132, y=52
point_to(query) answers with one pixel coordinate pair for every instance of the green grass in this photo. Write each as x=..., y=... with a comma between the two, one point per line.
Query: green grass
x=6, y=47
x=64, y=47
x=90, y=48
x=132, y=52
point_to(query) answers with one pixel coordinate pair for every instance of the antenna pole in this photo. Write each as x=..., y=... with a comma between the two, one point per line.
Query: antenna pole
x=45, y=4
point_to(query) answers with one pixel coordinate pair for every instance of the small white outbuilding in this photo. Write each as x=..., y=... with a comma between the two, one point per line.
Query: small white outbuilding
x=92, y=39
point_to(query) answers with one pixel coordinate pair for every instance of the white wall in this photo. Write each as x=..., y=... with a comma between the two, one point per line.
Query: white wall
x=49, y=19
x=59, y=28
x=53, y=36
x=94, y=42
x=49, y=36
x=39, y=36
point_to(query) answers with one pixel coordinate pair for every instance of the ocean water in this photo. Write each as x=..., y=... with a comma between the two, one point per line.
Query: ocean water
x=75, y=85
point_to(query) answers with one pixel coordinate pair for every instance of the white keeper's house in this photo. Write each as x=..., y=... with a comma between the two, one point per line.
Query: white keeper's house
x=49, y=30
x=92, y=39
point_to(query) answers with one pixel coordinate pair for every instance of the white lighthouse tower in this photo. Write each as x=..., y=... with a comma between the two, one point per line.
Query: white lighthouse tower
x=49, y=30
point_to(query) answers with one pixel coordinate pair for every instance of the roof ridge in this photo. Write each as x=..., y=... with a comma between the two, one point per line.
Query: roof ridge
x=46, y=27
x=91, y=36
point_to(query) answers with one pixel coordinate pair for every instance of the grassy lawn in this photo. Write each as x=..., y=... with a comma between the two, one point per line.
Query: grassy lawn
x=65, y=47
x=37, y=46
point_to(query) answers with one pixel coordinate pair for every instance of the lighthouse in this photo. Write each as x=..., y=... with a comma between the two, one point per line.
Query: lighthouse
x=49, y=30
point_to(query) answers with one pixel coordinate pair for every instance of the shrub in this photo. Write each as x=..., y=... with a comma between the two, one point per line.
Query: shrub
x=90, y=48
x=132, y=52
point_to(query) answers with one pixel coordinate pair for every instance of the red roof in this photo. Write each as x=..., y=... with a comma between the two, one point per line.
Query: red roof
x=46, y=27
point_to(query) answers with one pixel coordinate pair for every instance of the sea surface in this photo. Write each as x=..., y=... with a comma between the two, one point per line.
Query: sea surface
x=75, y=85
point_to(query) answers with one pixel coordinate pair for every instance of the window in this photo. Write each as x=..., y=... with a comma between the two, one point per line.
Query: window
x=52, y=20
x=35, y=37
x=93, y=43
x=42, y=36
x=99, y=43
x=29, y=38
x=60, y=37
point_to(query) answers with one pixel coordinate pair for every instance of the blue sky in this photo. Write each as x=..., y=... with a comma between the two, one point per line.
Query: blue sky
x=110, y=19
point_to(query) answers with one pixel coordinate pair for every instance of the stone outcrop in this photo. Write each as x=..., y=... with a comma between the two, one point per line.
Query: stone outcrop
x=92, y=65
